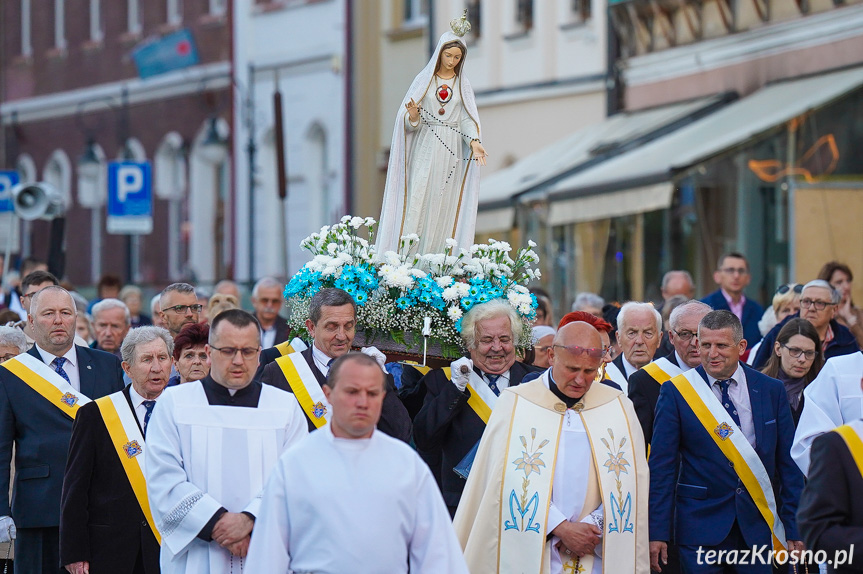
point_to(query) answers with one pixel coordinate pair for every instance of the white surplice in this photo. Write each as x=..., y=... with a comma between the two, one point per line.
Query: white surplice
x=203, y=457
x=833, y=399
x=569, y=488
x=336, y=505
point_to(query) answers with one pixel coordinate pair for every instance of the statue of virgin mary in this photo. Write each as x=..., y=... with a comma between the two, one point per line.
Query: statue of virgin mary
x=432, y=185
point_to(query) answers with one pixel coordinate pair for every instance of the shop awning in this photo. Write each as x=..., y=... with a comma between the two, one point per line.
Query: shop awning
x=578, y=151
x=735, y=125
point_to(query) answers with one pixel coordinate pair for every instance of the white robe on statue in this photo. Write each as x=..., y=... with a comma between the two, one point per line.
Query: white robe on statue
x=336, y=505
x=833, y=399
x=203, y=457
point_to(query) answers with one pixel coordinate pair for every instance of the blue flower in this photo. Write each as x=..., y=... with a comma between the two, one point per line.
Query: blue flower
x=367, y=280
x=425, y=298
x=438, y=303
x=350, y=289
x=361, y=297
x=403, y=303
x=483, y=298
x=467, y=303
x=458, y=325
x=474, y=291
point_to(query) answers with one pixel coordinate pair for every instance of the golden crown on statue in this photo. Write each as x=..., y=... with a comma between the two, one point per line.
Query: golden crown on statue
x=460, y=26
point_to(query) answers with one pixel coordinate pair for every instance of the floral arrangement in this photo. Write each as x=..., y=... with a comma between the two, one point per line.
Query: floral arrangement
x=396, y=292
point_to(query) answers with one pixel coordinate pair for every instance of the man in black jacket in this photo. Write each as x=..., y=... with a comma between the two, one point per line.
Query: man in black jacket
x=332, y=325
x=103, y=524
x=40, y=393
x=455, y=410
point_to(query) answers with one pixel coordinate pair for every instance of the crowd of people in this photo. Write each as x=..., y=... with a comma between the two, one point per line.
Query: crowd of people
x=690, y=436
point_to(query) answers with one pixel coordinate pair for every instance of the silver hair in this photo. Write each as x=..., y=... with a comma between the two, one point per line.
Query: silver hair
x=13, y=337
x=491, y=310
x=107, y=305
x=129, y=290
x=722, y=319
x=80, y=301
x=637, y=306
x=142, y=336
x=691, y=307
x=585, y=299
x=265, y=282
x=34, y=299
x=156, y=300
x=666, y=279
x=176, y=287
x=835, y=297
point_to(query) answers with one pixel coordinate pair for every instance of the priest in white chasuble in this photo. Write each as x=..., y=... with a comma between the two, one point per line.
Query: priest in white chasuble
x=350, y=498
x=211, y=447
x=560, y=482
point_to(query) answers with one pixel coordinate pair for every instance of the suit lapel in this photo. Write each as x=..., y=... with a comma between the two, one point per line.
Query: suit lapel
x=85, y=372
x=128, y=396
x=672, y=358
x=618, y=362
x=307, y=355
x=756, y=399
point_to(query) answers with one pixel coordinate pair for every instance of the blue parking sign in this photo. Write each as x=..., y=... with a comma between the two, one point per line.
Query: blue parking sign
x=130, y=198
x=8, y=180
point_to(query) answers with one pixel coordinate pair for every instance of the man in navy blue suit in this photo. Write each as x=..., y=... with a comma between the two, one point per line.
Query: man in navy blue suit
x=722, y=441
x=732, y=276
x=40, y=393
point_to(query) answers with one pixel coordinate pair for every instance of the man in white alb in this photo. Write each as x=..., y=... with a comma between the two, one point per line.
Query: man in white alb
x=352, y=499
x=211, y=447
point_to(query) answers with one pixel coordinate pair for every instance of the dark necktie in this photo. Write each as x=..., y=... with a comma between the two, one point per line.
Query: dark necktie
x=57, y=364
x=492, y=383
x=149, y=406
x=726, y=400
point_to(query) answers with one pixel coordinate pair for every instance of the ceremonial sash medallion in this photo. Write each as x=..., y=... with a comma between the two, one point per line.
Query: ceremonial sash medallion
x=528, y=475
x=129, y=443
x=293, y=346
x=612, y=446
x=722, y=429
x=481, y=400
x=45, y=381
x=306, y=388
x=662, y=370
x=850, y=433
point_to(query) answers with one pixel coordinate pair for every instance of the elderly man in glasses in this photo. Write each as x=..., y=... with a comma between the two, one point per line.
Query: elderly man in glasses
x=179, y=306
x=560, y=473
x=211, y=446
x=818, y=303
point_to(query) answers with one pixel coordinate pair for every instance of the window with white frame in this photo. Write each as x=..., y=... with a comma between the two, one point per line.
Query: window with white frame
x=133, y=17
x=96, y=32
x=175, y=12
x=415, y=12
x=60, y=24
x=524, y=14
x=26, y=38
x=581, y=9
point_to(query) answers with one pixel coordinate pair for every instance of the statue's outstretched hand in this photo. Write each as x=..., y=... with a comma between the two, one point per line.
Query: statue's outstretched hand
x=478, y=152
x=413, y=111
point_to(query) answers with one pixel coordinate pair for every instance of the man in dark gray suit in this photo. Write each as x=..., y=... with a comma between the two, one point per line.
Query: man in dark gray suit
x=40, y=393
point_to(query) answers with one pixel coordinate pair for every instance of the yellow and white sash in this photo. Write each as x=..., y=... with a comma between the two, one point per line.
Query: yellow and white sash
x=293, y=346
x=733, y=444
x=662, y=370
x=306, y=388
x=615, y=462
x=45, y=381
x=129, y=443
x=614, y=374
x=528, y=475
x=482, y=399
x=851, y=434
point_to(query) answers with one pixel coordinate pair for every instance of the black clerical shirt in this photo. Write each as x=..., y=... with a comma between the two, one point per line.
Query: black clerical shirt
x=568, y=401
x=218, y=395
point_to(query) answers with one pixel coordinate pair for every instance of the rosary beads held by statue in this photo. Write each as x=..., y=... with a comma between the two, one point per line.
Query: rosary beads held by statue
x=432, y=187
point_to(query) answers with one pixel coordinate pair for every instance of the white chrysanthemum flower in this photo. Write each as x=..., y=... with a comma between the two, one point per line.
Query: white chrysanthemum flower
x=463, y=289
x=451, y=243
x=345, y=218
x=454, y=313
x=451, y=293
x=370, y=221
x=444, y=281
x=531, y=243
x=357, y=222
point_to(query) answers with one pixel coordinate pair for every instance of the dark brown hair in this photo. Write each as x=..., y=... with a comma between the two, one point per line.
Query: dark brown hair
x=190, y=335
x=832, y=267
x=796, y=326
x=447, y=46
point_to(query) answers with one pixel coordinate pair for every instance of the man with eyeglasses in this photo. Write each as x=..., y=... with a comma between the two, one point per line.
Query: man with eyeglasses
x=732, y=276
x=458, y=400
x=179, y=306
x=645, y=383
x=560, y=481
x=211, y=445
x=303, y=371
x=818, y=303
x=639, y=332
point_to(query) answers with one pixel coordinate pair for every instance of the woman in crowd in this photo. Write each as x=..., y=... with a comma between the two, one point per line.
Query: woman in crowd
x=189, y=354
x=131, y=295
x=840, y=277
x=786, y=301
x=796, y=361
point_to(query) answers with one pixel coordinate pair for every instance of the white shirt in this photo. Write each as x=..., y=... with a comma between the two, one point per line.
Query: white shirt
x=138, y=405
x=70, y=366
x=738, y=391
x=630, y=368
x=268, y=337
x=680, y=362
x=321, y=359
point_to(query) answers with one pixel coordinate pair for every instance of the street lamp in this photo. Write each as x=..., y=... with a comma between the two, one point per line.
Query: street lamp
x=214, y=147
x=90, y=184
